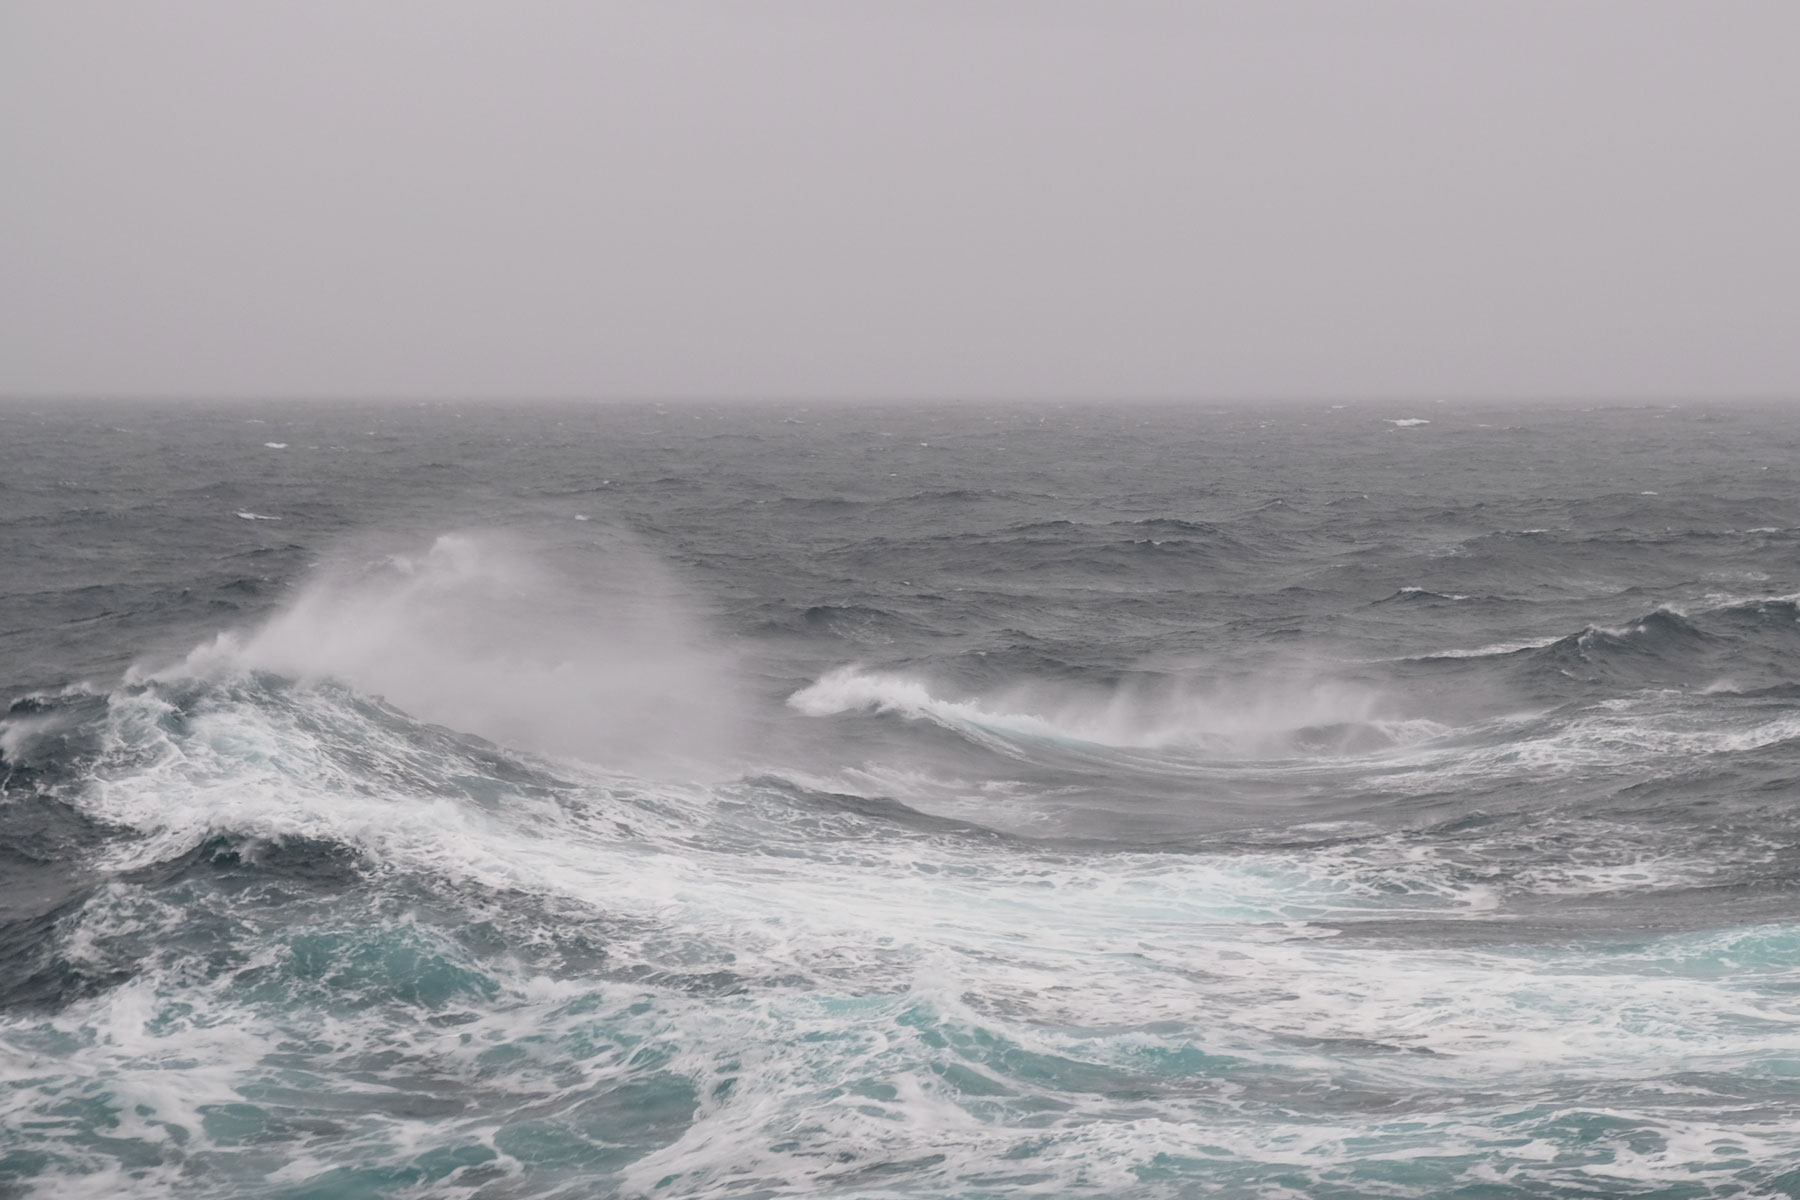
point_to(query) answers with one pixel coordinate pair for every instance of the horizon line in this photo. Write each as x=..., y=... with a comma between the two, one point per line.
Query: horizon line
x=1644, y=398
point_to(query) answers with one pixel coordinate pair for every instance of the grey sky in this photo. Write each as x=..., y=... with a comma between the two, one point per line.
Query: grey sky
x=1034, y=198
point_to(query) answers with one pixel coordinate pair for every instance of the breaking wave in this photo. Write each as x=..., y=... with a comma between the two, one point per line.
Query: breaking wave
x=1254, y=721
x=599, y=656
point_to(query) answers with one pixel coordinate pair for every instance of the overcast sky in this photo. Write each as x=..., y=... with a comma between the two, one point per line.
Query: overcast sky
x=1344, y=197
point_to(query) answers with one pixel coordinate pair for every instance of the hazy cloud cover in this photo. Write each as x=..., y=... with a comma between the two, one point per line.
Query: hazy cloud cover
x=439, y=197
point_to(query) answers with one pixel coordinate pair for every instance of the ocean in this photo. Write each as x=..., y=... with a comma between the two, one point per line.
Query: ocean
x=781, y=799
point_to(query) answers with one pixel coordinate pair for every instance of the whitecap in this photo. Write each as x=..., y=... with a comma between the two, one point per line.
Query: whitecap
x=605, y=660
x=1272, y=717
x=1495, y=649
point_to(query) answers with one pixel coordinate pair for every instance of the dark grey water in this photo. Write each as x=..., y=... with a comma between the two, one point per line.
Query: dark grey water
x=772, y=800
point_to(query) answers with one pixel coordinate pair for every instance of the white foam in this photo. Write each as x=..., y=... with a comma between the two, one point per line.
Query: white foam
x=599, y=656
x=1270, y=717
x=1407, y=422
x=18, y=733
x=907, y=992
x=1621, y=732
x=1496, y=648
x=250, y=516
x=1017, y=1014
x=276, y=445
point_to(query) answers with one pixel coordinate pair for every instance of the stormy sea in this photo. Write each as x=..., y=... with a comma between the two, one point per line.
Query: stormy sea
x=757, y=800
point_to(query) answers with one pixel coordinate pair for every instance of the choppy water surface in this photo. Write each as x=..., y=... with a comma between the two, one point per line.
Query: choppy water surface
x=774, y=801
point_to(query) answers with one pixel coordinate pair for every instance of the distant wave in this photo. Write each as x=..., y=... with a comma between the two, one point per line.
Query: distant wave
x=1415, y=595
x=1496, y=650
x=1661, y=631
x=1278, y=718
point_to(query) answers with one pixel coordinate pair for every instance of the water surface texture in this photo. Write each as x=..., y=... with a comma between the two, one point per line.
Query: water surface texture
x=773, y=800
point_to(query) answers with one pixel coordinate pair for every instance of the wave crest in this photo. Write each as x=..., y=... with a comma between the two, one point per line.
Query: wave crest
x=1288, y=717
x=586, y=650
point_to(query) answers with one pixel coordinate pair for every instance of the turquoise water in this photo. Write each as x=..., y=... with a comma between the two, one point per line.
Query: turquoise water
x=770, y=835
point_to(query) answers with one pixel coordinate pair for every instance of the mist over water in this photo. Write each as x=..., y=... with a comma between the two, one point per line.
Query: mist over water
x=763, y=801
x=1258, y=718
x=598, y=656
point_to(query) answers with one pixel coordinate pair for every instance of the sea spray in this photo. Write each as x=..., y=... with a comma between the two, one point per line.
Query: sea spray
x=1124, y=863
x=1279, y=713
x=592, y=651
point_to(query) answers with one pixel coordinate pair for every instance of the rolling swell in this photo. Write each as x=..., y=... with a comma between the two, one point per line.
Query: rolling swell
x=1089, y=803
x=1741, y=644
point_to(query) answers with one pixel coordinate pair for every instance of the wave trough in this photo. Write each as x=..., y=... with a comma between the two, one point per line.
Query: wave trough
x=1074, y=806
